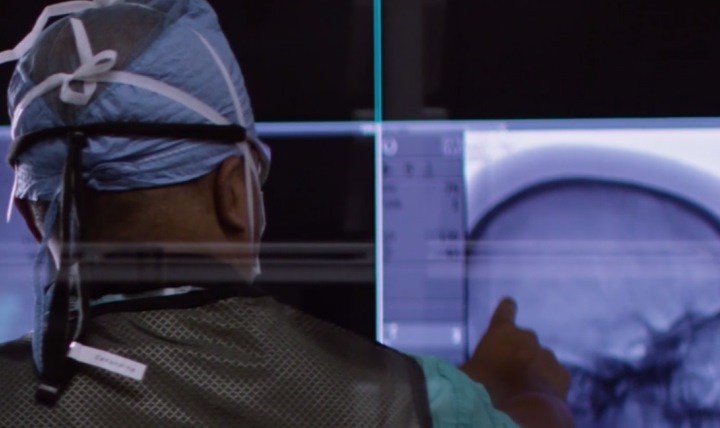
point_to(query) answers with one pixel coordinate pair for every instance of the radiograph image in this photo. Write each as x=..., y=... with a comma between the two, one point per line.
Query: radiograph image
x=623, y=283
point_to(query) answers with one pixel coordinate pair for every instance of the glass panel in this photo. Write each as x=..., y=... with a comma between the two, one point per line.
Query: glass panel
x=606, y=233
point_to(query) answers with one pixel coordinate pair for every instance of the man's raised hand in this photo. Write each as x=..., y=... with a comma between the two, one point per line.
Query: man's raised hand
x=510, y=361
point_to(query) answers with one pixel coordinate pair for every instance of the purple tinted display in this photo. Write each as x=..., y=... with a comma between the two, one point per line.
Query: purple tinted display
x=607, y=235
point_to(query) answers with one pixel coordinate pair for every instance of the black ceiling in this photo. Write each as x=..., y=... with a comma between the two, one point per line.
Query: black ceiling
x=569, y=58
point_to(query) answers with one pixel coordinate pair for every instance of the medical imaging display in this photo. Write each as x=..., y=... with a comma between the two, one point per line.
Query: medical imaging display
x=606, y=233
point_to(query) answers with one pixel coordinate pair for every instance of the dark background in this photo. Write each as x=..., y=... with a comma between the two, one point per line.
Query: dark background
x=321, y=191
x=483, y=59
x=470, y=59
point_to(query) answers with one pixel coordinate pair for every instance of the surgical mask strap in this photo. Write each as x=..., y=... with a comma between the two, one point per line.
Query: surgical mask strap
x=256, y=225
x=43, y=261
x=56, y=337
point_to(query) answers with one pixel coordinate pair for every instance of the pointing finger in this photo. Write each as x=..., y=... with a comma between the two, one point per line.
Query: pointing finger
x=505, y=313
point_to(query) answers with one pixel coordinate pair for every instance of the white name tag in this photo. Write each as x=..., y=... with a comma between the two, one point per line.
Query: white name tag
x=107, y=361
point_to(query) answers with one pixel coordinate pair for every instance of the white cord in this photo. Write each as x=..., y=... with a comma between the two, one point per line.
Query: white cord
x=60, y=9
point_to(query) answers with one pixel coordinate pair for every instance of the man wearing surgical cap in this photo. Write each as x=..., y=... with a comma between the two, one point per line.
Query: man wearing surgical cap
x=132, y=126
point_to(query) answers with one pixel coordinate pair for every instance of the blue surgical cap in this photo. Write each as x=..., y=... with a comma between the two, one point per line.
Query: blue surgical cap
x=126, y=61
x=148, y=61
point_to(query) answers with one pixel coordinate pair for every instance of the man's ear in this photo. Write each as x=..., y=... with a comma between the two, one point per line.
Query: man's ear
x=231, y=202
x=23, y=208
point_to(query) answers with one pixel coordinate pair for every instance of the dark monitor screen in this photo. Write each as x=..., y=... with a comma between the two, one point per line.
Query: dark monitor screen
x=524, y=59
x=606, y=233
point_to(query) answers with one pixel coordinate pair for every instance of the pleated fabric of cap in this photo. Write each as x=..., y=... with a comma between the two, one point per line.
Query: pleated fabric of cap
x=151, y=61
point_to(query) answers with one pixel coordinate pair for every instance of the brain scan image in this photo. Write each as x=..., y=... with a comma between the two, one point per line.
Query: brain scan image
x=623, y=283
x=609, y=241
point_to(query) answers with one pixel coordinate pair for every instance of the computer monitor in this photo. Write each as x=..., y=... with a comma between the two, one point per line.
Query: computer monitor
x=606, y=233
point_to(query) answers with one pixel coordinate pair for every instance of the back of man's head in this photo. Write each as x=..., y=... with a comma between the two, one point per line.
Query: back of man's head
x=134, y=61
x=130, y=123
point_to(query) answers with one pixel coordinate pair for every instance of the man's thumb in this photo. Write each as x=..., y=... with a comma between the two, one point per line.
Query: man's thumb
x=505, y=312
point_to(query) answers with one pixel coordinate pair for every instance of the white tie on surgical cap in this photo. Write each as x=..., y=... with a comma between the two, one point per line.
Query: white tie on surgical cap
x=98, y=68
x=60, y=9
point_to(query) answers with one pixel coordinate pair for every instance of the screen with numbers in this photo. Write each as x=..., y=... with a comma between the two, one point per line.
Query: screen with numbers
x=605, y=232
x=424, y=235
